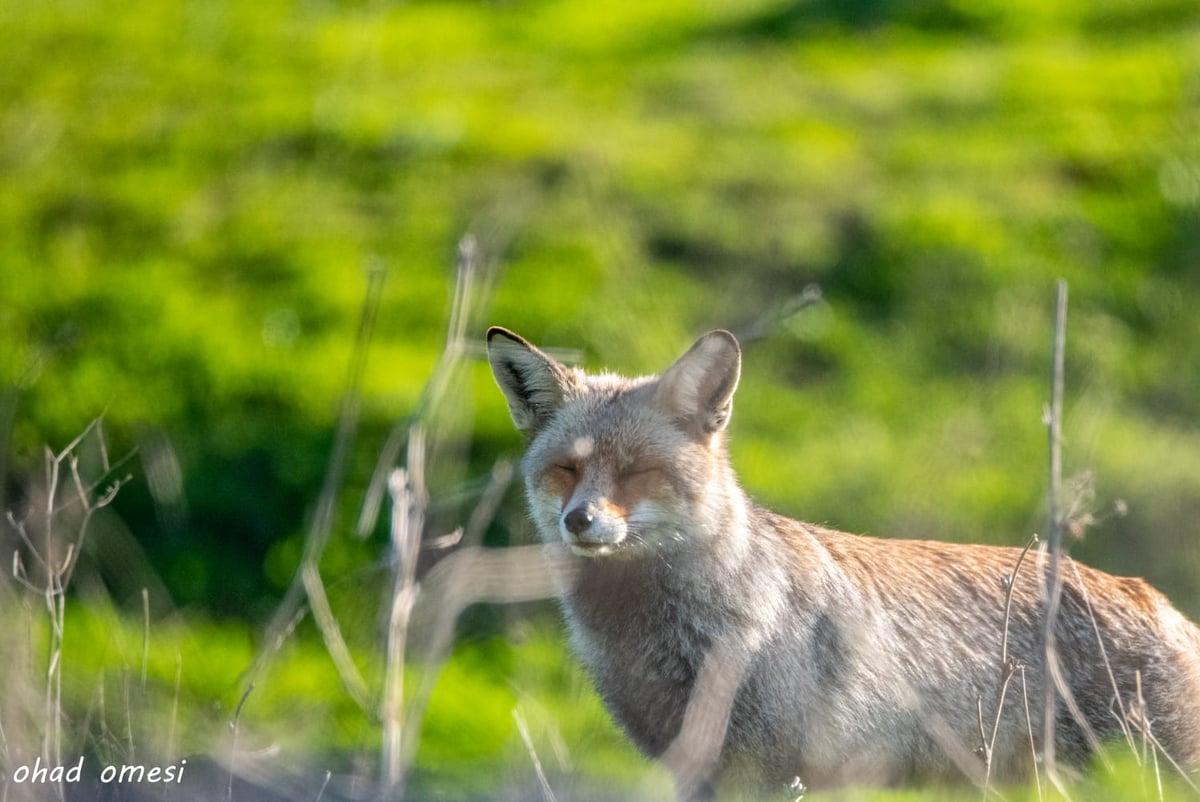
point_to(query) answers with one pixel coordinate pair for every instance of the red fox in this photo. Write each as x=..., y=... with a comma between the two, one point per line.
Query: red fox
x=739, y=646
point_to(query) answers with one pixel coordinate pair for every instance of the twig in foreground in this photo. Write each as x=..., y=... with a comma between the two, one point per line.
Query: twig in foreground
x=1054, y=581
x=547, y=791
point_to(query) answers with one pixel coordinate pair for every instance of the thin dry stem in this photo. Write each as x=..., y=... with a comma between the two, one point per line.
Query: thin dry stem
x=57, y=557
x=485, y=511
x=172, y=748
x=770, y=321
x=1008, y=596
x=145, y=635
x=1122, y=718
x=983, y=749
x=1007, y=669
x=235, y=726
x=475, y=574
x=306, y=583
x=1139, y=720
x=324, y=785
x=468, y=275
x=129, y=745
x=407, y=488
x=1054, y=582
x=1063, y=688
x=331, y=633
x=409, y=501
x=457, y=581
x=1037, y=777
x=543, y=783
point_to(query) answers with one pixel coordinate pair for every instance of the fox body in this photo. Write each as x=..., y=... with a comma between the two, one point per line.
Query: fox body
x=731, y=641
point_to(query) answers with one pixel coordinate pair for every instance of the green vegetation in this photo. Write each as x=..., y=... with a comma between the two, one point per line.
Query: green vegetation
x=194, y=195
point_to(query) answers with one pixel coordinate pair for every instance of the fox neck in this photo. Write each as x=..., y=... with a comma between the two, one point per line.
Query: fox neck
x=643, y=624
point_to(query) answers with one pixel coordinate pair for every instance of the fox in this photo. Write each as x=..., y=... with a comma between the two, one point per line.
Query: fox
x=747, y=650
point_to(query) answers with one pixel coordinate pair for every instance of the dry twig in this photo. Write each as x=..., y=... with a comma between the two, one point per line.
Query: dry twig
x=1054, y=581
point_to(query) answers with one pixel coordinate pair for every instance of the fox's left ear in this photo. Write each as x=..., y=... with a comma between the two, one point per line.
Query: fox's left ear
x=698, y=389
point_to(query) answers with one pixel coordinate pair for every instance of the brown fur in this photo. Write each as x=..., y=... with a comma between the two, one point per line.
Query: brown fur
x=727, y=639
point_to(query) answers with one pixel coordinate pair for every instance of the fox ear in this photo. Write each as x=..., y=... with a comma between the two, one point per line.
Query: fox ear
x=533, y=383
x=698, y=389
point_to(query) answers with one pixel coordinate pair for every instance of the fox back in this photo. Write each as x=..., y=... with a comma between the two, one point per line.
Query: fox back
x=738, y=645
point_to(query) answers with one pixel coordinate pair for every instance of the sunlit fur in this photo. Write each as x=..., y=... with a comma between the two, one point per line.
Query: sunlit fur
x=866, y=660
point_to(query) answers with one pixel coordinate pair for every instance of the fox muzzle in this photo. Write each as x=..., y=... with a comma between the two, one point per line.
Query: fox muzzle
x=592, y=528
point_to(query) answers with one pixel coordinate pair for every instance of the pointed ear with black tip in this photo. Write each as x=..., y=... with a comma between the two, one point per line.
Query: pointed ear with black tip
x=533, y=383
x=698, y=389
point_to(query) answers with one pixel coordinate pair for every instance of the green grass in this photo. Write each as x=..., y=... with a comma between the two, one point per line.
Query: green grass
x=194, y=193
x=469, y=745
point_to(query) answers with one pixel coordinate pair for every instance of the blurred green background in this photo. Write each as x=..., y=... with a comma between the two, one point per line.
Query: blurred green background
x=194, y=194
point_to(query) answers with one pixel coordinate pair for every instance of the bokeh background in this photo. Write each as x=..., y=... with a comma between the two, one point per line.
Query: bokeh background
x=195, y=198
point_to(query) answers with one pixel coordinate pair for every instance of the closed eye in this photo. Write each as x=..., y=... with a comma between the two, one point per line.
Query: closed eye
x=567, y=468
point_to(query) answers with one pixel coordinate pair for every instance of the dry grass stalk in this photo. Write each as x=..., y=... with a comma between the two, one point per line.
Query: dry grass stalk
x=307, y=584
x=407, y=488
x=1054, y=581
x=235, y=727
x=1037, y=777
x=52, y=535
x=543, y=783
x=1008, y=668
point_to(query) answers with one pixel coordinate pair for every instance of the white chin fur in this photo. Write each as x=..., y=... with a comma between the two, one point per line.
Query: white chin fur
x=592, y=551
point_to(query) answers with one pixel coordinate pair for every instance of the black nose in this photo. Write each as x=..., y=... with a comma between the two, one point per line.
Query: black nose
x=578, y=520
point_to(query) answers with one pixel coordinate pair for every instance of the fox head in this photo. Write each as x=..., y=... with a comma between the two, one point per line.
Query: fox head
x=617, y=465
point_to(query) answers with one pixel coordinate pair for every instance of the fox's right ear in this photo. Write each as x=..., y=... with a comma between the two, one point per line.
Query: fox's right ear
x=533, y=383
